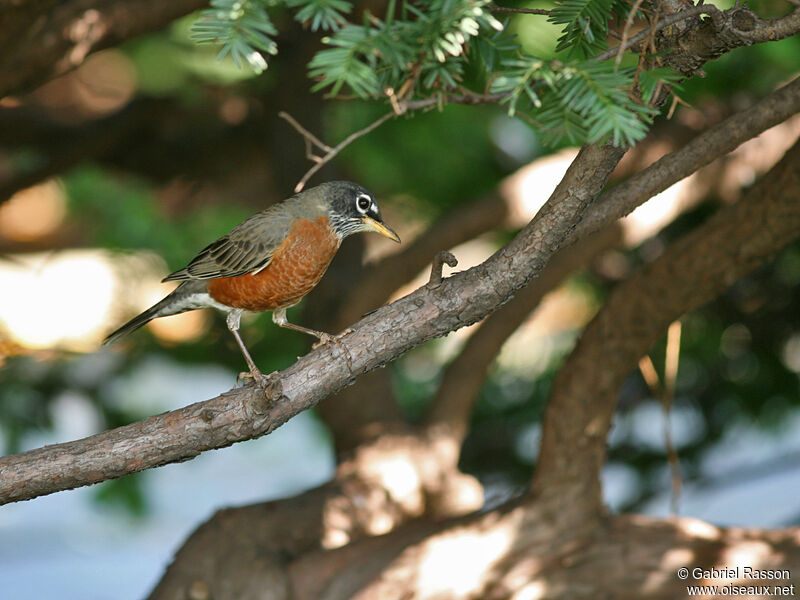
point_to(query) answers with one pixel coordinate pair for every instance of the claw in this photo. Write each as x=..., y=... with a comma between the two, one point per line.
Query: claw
x=326, y=338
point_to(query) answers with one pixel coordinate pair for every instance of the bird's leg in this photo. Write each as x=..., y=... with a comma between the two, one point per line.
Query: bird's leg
x=233, y=319
x=279, y=318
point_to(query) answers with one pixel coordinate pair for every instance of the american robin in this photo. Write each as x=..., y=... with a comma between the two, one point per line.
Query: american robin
x=271, y=260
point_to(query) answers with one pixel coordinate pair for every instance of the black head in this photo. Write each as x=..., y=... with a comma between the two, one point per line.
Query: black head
x=353, y=209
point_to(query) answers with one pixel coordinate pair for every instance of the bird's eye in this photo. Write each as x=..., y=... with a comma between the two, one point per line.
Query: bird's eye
x=363, y=202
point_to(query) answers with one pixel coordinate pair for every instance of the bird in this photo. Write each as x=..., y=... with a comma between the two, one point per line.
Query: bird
x=270, y=261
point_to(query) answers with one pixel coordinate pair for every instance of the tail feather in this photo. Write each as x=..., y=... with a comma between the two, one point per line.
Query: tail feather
x=190, y=295
x=134, y=324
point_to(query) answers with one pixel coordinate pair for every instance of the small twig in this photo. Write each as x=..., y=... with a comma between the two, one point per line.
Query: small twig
x=310, y=137
x=331, y=153
x=675, y=101
x=523, y=11
x=648, y=370
x=465, y=98
x=670, y=378
x=438, y=263
x=627, y=30
x=645, y=60
x=702, y=9
x=666, y=393
x=397, y=107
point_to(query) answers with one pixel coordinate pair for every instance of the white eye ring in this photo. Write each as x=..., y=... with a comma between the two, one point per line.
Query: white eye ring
x=363, y=203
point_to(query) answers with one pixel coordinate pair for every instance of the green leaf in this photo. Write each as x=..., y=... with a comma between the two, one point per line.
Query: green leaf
x=581, y=101
x=586, y=24
x=649, y=80
x=322, y=14
x=242, y=27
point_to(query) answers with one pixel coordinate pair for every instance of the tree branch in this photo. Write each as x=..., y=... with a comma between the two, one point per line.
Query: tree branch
x=691, y=272
x=381, y=278
x=521, y=11
x=330, y=152
x=663, y=23
x=723, y=32
x=156, y=138
x=380, y=337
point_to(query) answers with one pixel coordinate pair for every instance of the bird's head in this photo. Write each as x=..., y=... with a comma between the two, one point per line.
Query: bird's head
x=353, y=209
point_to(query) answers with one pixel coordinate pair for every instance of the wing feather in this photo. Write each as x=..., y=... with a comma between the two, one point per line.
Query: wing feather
x=247, y=248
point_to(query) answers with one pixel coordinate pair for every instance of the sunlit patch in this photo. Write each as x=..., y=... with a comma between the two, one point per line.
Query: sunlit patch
x=790, y=353
x=104, y=83
x=749, y=553
x=699, y=529
x=650, y=217
x=334, y=538
x=71, y=299
x=398, y=476
x=529, y=188
x=56, y=300
x=532, y=591
x=456, y=564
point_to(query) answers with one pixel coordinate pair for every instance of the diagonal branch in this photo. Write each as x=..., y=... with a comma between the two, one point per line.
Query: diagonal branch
x=384, y=335
x=691, y=272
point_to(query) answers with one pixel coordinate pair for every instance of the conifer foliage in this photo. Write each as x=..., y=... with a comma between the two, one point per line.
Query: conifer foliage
x=425, y=54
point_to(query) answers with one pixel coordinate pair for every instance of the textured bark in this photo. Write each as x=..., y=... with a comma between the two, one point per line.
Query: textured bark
x=691, y=45
x=531, y=551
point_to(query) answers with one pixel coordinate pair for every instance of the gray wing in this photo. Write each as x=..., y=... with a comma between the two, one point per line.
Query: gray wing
x=247, y=248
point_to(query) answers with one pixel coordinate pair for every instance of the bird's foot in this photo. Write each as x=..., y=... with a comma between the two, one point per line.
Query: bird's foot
x=261, y=380
x=326, y=338
x=323, y=339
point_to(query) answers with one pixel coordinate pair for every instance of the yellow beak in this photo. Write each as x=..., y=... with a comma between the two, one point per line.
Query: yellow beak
x=379, y=227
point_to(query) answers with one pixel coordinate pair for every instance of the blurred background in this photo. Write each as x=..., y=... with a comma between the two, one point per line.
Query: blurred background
x=121, y=170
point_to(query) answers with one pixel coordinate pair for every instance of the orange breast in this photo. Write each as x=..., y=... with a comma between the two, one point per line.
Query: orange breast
x=296, y=267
